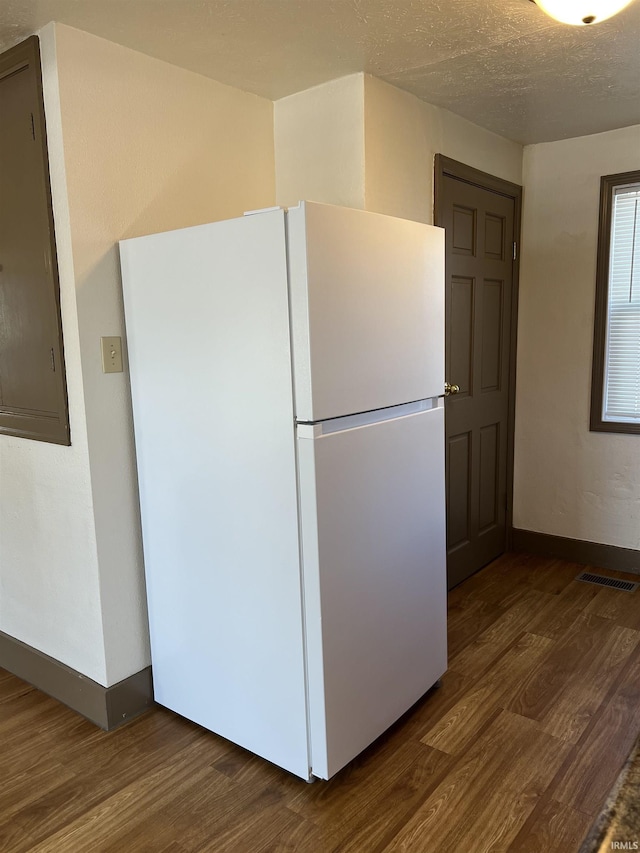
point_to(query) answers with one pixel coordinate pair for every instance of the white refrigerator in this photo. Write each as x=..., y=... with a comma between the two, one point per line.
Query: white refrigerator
x=286, y=374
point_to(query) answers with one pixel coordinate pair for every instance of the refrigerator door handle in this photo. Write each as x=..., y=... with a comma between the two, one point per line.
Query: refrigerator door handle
x=331, y=425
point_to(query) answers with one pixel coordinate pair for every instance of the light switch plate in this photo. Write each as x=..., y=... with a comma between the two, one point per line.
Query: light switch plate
x=111, y=355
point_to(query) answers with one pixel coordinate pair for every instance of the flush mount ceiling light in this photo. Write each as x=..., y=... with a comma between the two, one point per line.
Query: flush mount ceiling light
x=581, y=12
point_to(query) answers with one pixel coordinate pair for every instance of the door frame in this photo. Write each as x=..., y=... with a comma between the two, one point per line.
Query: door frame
x=446, y=167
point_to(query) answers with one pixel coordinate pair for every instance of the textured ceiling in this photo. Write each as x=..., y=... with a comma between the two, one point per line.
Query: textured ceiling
x=500, y=63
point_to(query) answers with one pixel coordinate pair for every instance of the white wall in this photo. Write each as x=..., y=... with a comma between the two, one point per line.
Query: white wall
x=148, y=147
x=568, y=481
x=145, y=146
x=137, y=145
x=402, y=136
x=363, y=143
x=319, y=142
x=49, y=587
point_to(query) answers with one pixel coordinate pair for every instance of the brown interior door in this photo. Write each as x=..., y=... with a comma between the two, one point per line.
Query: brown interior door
x=480, y=229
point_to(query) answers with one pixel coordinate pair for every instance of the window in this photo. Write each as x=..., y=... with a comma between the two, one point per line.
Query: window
x=33, y=396
x=615, y=393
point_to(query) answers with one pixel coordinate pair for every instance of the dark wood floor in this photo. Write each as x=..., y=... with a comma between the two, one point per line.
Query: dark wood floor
x=515, y=752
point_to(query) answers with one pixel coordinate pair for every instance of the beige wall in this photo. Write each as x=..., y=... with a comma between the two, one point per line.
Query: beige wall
x=402, y=135
x=568, y=481
x=145, y=146
x=363, y=143
x=136, y=146
x=49, y=584
x=319, y=142
x=148, y=147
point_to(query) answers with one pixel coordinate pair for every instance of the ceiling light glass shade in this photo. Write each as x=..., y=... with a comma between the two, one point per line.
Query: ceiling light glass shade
x=582, y=12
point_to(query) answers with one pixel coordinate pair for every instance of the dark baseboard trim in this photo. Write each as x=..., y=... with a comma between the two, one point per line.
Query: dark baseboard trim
x=107, y=707
x=577, y=551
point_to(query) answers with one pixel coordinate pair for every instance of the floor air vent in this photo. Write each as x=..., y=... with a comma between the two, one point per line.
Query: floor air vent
x=612, y=583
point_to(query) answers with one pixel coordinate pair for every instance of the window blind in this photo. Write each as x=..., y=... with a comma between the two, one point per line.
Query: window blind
x=621, y=399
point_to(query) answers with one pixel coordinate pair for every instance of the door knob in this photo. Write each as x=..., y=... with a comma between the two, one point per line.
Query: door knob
x=450, y=389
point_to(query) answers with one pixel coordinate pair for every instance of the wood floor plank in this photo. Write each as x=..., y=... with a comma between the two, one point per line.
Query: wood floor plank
x=358, y=786
x=551, y=828
x=482, y=804
x=586, y=689
x=563, y=610
x=567, y=689
x=11, y=688
x=381, y=812
x=518, y=572
x=237, y=816
x=552, y=575
x=113, y=820
x=513, y=754
x=72, y=800
x=363, y=787
x=306, y=837
x=600, y=755
x=578, y=700
x=491, y=643
x=499, y=584
x=50, y=726
x=457, y=729
x=261, y=833
x=467, y=619
x=19, y=790
x=28, y=702
x=371, y=832
x=245, y=818
x=622, y=607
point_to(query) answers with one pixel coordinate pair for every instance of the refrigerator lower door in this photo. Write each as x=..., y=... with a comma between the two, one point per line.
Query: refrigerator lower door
x=372, y=508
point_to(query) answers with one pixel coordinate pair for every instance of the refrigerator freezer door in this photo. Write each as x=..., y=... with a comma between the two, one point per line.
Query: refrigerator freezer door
x=367, y=310
x=208, y=337
x=373, y=542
